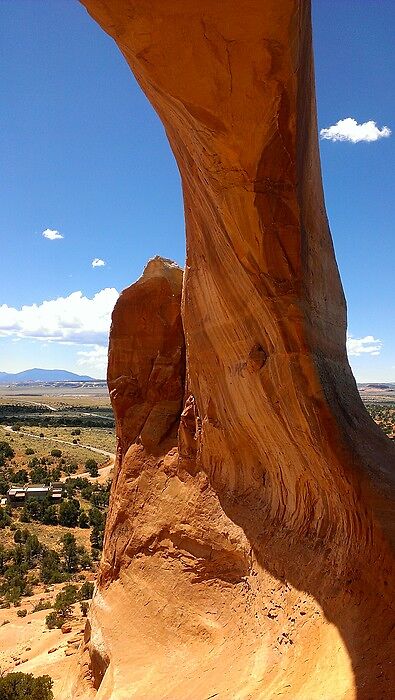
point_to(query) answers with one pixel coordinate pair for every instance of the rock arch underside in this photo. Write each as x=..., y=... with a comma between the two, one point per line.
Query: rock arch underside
x=248, y=550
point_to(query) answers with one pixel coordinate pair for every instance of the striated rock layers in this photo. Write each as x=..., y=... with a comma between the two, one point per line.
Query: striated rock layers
x=253, y=558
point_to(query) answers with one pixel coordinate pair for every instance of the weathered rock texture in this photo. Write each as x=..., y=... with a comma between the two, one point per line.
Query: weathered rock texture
x=255, y=559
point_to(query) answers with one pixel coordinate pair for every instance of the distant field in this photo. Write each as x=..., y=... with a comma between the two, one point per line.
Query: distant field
x=47, y=534
x=90, y=393
x=98, y=438
x=47, y=417
x=377, y=393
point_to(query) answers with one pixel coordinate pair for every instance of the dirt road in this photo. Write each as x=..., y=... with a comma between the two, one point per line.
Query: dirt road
x=9, y=429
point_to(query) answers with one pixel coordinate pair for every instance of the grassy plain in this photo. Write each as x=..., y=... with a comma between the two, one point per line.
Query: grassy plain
x=46, y=417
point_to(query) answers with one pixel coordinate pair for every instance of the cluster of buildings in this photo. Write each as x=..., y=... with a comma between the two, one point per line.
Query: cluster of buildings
x=21, y=493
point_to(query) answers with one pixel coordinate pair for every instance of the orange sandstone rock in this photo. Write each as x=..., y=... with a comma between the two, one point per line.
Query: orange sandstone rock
x=254, y=559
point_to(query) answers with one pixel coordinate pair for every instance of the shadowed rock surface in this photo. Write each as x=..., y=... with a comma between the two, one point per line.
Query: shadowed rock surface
x=253, y=559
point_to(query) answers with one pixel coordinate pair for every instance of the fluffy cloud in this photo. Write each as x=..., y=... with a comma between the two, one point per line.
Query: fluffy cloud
x=349, y=130
x=93, y=361
x=98, y=262
x=51, y=234
x=363, y=346
x=75, y=319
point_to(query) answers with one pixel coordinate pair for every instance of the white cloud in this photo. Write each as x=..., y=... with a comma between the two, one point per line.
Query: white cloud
x=51, y=234
x=363, y=346
x=93, y=361
x=75, y=319
x=349, y=130
x=98, y=262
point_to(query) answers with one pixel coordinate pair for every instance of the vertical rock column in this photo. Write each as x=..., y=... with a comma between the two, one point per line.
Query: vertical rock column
x=284, y=480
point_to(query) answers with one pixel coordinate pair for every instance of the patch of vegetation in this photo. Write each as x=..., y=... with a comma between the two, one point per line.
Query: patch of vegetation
x=30, y=561
x=384, y=416
x=22, y=415
x=20, y=686
x=64, y=602
x=42, y=605
x=91, y=467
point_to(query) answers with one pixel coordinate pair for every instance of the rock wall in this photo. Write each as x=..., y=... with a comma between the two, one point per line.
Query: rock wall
x=256, y=558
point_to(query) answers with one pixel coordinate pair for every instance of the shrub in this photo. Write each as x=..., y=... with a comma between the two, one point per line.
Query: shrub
x=54, y=620
x=56, y=453
x=4, y=484
x=83, y=520
x=85, y=560
x=4, y=519
x=56, y=474
x=20, y=477
x=18, y=536
x=91, y=467
x=19, y=686
x=22, y=613
x=86, y=590
x=6, y=450
x=29, y=451
x=84, y=608
x=64, y=601
x=13, y=595
x=42, y=605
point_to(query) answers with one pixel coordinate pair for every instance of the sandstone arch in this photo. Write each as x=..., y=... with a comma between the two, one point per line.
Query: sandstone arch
x=254, y=557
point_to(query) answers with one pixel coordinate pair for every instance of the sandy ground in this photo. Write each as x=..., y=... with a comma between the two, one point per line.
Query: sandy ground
x=27, y=645
x=105, y=473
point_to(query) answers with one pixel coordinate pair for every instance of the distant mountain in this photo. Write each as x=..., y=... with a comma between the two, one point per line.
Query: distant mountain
x=29, y=376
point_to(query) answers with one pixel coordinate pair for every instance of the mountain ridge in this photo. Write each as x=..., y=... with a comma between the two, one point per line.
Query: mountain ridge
x=36, y=374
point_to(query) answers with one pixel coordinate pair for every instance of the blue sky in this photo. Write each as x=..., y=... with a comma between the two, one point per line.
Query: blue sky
x=85, y=155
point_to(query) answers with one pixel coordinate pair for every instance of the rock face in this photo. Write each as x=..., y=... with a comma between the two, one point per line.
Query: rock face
x=254, y=558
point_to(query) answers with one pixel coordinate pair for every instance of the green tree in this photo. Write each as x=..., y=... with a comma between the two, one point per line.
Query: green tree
x=4, y=519
x=50, y=516
x=96, y=539
x=69, y=513
x=83, y=520
x=18, y=536
x=51, y=567
x=6, y=450
x=91, y=467
x=65, y=599
x=20, y=686
x=33, y=549
x=86, y=590
x=34, y=509
x=97, y=518
x=20, y=477
x=69, y=552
